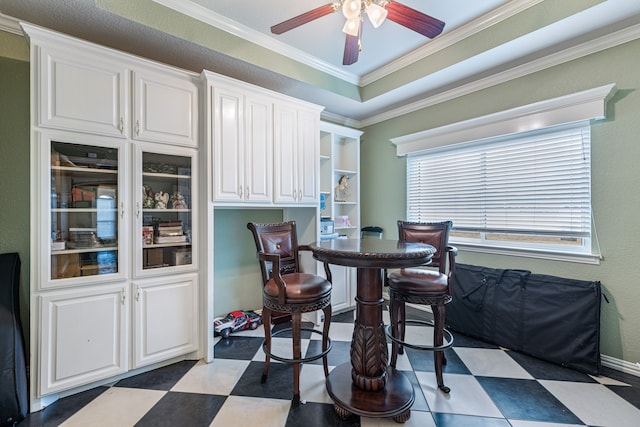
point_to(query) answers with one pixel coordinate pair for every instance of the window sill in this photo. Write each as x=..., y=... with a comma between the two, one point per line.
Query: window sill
x=531, y=253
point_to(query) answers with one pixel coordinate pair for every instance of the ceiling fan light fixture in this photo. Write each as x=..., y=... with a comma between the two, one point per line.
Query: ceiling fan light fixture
x=376, y=13
x=351, y=8
x=352, y=26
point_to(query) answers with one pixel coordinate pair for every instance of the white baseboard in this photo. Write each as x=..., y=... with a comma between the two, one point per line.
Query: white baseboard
x=621, y=365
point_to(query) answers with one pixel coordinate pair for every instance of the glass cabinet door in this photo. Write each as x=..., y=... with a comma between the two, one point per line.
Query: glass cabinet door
x=166, y=206
x=84, y=210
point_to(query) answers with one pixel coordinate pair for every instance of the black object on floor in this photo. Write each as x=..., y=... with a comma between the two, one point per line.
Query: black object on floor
x=552, y=318
x=13, y=373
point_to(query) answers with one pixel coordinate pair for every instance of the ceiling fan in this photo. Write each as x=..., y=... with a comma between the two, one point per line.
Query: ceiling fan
x=376, y=10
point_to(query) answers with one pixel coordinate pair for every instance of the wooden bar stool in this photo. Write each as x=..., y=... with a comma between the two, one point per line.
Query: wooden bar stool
x=287, y=290
x=423, y=285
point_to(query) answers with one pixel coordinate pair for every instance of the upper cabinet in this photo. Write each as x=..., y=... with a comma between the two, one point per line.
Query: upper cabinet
x=95, y=93
x=88, y=92
x=242, y=143
x=264, y=146
x=296, y=155
x=165, y=107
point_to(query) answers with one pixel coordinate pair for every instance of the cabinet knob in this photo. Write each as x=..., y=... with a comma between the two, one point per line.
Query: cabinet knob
x=137, y=210
x=122, y=296
x=240, y=191
x=137, y=127
x=121, y=125
x=121, y=210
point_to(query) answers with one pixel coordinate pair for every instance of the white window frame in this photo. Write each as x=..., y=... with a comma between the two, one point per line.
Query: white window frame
x=578, y=107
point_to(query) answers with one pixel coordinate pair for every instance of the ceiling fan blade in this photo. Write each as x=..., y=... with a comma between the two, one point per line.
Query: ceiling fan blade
x=414, y=20
x=309, y=16
x=351, y=50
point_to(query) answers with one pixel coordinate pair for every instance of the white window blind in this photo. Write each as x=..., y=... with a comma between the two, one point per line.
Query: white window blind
x=535, y=182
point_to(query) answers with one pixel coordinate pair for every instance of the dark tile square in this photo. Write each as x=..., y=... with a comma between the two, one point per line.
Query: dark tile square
x=279, y=384
x=630, y=394
x=422, y=360
x=159, y=379
x=237, y=347
x=346, y=317
x=183, y=409
x=318, y=415
x=542, y=370
x=621, y=376
x=454, y=420
x=526, y=400
x=338, y=355
x=460, y=340
x=280, y=330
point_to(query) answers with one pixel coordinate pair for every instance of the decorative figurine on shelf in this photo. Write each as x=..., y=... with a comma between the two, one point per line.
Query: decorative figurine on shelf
x=342, y=189
x=162, y=199
x=178, y=202
x=148, y=200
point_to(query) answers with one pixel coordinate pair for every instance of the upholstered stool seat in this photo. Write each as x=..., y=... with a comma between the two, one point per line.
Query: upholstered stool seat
x=302, y=288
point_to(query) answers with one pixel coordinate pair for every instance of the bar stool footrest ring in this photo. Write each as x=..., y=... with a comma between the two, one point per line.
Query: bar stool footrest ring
x=447, y=335
x=290, y=360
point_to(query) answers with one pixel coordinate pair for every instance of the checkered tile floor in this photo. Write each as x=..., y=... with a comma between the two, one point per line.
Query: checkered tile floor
x=490, y=387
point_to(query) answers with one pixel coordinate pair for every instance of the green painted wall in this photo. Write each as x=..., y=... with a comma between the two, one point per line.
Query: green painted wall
x=237, y=279
x=615, y=180
x=14, y=164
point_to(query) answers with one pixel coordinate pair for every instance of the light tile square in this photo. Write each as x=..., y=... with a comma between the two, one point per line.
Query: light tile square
x=250, y=411
x=594, y=404
x=218, y=377
x=608, y=381
x=338, y=332
x=313, y=386
x=488, y=362
x=117, y=406
x=467, y=396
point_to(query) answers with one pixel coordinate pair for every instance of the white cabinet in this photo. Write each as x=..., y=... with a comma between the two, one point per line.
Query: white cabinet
x=166, y=207
x=340, y=201
x=88, y=92
x=264, y=146
x=242, y=145
x=165, y=107
x=295, y=155
x=165, y=323
x=95, y=91
x=84, y=336
x=114, y=227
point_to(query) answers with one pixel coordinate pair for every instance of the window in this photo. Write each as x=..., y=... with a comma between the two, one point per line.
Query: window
x=528, y=191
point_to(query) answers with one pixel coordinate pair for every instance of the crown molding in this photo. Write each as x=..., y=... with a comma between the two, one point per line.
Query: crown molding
x=10, y=25
x=587, y=48
x=203, y=14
